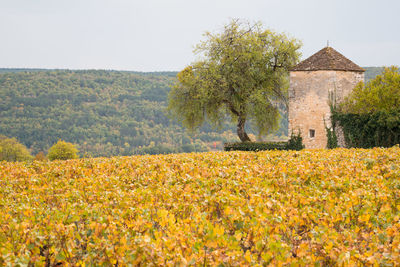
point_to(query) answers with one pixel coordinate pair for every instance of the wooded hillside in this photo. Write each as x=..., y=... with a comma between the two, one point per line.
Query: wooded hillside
x=104, y=112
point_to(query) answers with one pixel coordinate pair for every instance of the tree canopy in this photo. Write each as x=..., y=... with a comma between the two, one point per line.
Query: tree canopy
x=12, y=150
x=63, y=150
x=242, y=73
x=379, y=94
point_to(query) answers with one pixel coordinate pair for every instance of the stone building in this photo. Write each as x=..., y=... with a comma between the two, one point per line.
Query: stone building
x=313, y=82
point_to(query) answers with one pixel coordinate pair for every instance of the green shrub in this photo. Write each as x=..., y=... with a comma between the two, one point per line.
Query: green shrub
x=294, y=143
x=63, y=150
x=375, y=129
x=12, y=150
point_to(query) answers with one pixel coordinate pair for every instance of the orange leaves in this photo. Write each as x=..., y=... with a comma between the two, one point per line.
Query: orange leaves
x=236, y=208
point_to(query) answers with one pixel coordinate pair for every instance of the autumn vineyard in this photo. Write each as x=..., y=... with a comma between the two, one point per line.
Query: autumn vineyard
x=323, y=207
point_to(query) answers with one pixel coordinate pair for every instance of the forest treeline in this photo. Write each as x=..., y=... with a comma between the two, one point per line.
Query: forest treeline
x=104, y=112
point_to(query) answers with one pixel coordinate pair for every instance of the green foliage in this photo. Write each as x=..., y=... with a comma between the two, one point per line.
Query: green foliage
x=331, y=131
x=370, y=115
x=12, y=150
x=294, y=143
x=242, y=74
x=63, y=150
x=332, y=138
x=379, y=94
x=375, y=129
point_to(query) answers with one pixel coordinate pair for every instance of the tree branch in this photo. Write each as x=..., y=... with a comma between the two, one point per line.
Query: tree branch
x=231, y=107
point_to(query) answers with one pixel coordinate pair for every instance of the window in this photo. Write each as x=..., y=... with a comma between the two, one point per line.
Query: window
x=312, y=133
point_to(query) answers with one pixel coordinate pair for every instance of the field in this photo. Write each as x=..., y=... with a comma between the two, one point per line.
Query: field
x=322, y=207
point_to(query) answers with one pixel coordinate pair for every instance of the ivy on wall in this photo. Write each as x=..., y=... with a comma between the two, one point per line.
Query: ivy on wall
x=331, y=131
x=374, y=129
x=332, y=138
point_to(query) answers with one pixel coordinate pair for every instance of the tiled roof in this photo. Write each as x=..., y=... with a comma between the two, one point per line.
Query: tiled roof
x=327, y=59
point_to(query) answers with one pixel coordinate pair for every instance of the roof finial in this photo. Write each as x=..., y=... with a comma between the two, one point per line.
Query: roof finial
x=327, y=43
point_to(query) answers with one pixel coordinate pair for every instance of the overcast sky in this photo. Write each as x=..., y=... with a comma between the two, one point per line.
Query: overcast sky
x=159, y=35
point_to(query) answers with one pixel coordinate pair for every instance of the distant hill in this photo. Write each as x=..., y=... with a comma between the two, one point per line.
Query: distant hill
x=11, y=70
x=154, y=73
x=371, y=72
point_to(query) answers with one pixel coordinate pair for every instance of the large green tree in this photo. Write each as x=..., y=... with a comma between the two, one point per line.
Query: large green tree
x=242, y=72
x=380, y=94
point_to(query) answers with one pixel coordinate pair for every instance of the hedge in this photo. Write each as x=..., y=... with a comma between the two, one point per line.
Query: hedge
x=294, y=143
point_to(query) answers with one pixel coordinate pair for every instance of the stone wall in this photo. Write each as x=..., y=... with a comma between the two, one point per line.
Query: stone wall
x=309, y=96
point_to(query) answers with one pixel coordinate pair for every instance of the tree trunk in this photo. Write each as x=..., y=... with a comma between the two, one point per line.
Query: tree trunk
x=241, y=131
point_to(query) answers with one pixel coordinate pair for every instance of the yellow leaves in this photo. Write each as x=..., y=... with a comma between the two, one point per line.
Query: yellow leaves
x=364, y=218
x=302, y=250
x=99, y=228
x=211, y=243
x=267, y=256
x=219, y=230
x=269, y=204
x=247, y=256
x=163, y=217
x=303, y=200
x=328, y=246
x=229, y=211
x=147, y=239
x=231, y=208
x=169, y=243
x=386, y=207
x=238, y=236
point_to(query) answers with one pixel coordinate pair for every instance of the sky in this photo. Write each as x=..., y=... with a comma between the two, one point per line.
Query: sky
x=160, y=35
